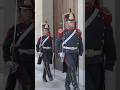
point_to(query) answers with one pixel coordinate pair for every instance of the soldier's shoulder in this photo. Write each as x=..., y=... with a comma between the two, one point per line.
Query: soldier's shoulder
x=79, y=32
x=39, y=38
x=60, y=32
x=66, y=14
x=106, y=11
x=106, y=14
x=51, y=38
x=10, y=31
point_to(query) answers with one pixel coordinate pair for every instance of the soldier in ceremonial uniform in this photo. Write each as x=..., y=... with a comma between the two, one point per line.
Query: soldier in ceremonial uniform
x=69, y=47
x=18, y=50
x=100, y=53
x=44, y=46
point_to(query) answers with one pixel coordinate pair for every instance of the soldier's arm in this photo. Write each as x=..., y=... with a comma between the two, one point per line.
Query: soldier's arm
x=80, y=43
x=37, y=45
x=109, y=45
x=59, y=40
x=52, y=43
x=7, y=44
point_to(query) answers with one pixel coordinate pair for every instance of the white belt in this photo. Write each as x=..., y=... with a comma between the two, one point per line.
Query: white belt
x=70, y=48
x=28, y=51
x=92, y=52
x=46, y=47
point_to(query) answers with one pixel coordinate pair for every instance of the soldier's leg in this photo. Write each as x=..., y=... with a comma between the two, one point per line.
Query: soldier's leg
x=32, y=77
x=27, y=87
x=72, y=60
x=11, y=82
x=48, y=71
x=89, y=85
x=74, y=78
x=47, y=67
x=67, y=80
x=100, y=77
x=25, y=75
x=44, y=74
x=94, y=78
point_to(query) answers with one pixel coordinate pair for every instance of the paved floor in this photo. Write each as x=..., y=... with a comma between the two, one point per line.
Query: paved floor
x=56, y=84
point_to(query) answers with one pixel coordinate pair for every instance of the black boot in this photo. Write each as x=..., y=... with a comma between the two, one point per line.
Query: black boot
x=67, y=85
x=67, y=81
x=51, y=78
x=44, y=76
x=67, y=88
x=74, y=80
x=76, y=88
x=26, y=87
x=44, y=79
x=49, y=72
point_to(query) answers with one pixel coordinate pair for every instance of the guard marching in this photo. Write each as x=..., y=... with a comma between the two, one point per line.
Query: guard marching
x=44, y=46
x=69, y=47
x=100, y=53
x=18, y=50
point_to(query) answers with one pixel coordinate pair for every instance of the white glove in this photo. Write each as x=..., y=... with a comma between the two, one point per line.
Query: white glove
x=9, y=64
x=62, y=55
x=12, y=66
x=29, y=51
x=40, y=53
x=89, y=53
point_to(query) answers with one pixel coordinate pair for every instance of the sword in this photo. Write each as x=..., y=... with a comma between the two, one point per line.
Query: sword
x=41, y=33
x=53, y=64
x=12, y=50
x=62, y=54
x=78, y=68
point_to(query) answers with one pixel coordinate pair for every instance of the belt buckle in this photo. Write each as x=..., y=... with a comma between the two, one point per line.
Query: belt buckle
x=90, y=53
x=72, y=48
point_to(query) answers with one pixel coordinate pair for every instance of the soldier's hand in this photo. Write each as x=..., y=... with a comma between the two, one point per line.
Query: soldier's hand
x=9, y=64
x=89, y=53
x=40, y=53
x=109, y=67
x=61, y=54
x=12, y=66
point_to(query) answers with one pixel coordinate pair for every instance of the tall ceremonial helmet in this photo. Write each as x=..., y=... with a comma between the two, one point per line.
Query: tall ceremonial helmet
x=69, y=16
x=28, y=4
x=46, y=26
